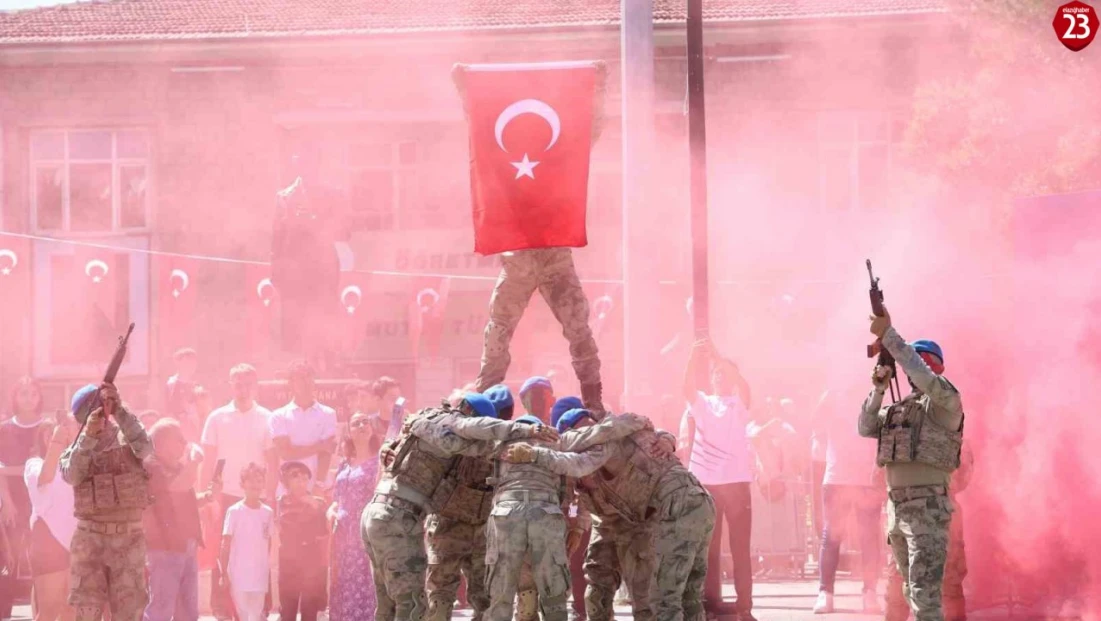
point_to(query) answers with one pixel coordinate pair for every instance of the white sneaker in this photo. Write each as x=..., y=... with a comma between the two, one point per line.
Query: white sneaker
x=824, y=605
x=871, y=603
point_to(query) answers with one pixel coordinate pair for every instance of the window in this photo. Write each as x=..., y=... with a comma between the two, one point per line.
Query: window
x=382, y=183
x=854, y=159
x=90, y=181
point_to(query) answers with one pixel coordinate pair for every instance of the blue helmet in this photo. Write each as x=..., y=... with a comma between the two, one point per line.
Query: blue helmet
x=500, y=396
x=481, y=405
x=83, y=401
x=563, y=405
x=528, y=419
x=925, y=346
x=532, y=382
x=571, y=418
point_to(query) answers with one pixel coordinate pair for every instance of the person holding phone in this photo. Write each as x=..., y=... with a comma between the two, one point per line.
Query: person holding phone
x=172, y=529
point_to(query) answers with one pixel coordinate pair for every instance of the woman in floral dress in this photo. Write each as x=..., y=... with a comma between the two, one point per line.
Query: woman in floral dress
x=352, y=596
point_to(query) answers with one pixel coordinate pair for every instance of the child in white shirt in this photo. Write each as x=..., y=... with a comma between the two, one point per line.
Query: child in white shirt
x=247, y=540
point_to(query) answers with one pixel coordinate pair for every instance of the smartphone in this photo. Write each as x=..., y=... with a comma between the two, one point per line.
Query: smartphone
x=218, y=468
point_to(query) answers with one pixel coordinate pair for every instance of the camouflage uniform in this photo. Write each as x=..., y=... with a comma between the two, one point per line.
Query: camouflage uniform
x=110, y=493
x=551, y=271
x=457, y=541
x=919, y=445
x=955, y=566
x=424, y=455
x=678, y=516
x=527, y=522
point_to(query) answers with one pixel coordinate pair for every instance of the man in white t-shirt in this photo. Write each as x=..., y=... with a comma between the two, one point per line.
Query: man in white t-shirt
x=714, y=435
x=304, y=430
x=238, y=433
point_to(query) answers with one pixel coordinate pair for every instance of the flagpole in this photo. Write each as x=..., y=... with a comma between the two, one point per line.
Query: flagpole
x=640, y=288
x=697, y=145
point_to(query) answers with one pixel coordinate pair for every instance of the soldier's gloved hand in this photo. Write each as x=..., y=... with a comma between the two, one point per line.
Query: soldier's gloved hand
x=520, y=453
x=96, y=420
x=663, y=448
x=880, y=324
x=109, y=397
x=386, y=456
x=542, y=433
x=881, y=377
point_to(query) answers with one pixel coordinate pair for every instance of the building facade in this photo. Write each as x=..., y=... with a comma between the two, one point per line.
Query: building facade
x=153, y=133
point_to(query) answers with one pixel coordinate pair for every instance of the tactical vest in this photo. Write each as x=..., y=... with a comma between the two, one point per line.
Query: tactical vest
x=116, y=481
x=625, y=486
x=416, y=469
x=910, y=435
x=466, y=495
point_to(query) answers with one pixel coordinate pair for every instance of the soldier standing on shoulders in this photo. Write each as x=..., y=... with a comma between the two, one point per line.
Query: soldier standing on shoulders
x=456, y=532
x=104, y=466
x=417, y=466
x=920, y=439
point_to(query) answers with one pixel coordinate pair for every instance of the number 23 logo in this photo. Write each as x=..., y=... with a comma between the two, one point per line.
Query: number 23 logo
x=1075, y=25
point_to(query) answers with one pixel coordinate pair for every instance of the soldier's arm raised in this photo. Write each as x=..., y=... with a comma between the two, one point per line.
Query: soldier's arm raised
x=134, y=432
x=939, y=389
x=868, y=425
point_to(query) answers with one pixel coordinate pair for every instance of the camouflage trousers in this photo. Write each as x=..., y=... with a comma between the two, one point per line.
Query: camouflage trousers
x=455, y=547
x=918, y=521
x=619, y=550
x=681, y=542
x=394, y=538
x=955, y=570
x=551, y=271
x=517, y=531
x=108, y=568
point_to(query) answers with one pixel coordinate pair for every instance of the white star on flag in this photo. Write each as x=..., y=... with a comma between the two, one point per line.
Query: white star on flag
x=525, y=168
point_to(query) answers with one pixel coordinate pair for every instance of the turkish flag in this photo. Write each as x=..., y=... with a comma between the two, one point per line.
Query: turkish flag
x=354, y=291
x=531, y=130
x=427, y=308
x=260, y=295
x=89, y=301
x=176, y=293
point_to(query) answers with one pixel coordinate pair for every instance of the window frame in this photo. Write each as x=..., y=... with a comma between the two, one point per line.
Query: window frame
x=117, y=164
x=853, y=147
x=397, y=217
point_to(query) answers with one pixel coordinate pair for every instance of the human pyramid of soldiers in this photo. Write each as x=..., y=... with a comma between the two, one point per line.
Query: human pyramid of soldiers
x=481, y=494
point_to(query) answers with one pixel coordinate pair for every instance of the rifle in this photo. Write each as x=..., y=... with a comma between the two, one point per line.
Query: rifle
x=885, y=357
x=108, y=378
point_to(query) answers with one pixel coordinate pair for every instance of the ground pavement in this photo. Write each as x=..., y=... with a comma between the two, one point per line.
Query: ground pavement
x=792, y=601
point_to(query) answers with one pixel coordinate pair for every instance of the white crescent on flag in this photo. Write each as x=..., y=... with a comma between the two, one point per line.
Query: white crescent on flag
x=96, y=263
x=185, y=281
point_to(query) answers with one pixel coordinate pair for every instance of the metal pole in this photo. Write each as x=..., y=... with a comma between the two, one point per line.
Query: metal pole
x=697, y=145
x=640, y=289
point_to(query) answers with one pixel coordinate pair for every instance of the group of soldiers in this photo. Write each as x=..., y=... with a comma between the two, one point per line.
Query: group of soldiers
x=496, y=495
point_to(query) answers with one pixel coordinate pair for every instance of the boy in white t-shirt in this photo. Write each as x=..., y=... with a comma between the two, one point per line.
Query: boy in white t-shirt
x=247, y=542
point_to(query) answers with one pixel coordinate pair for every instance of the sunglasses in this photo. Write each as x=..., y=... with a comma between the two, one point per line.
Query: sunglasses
x=359, y=424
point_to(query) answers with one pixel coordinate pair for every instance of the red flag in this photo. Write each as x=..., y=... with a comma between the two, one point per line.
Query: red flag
x=100, y=274
x=176, y=293
x=531, y=129
x=354, y=291
x=426, y=314
x=89, y=301
x=260, y=294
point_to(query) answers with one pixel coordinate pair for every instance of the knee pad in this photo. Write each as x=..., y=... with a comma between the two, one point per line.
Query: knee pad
x=527, y=605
